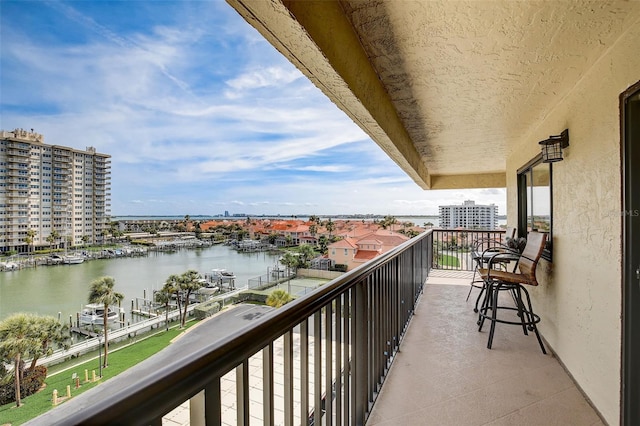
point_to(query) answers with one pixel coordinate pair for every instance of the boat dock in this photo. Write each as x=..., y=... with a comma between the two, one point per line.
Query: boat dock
x=83, y=332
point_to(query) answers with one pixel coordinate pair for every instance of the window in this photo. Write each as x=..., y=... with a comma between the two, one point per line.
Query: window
x=535, y=201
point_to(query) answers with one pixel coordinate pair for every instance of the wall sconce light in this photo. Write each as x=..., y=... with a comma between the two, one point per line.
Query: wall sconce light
x=552, y=147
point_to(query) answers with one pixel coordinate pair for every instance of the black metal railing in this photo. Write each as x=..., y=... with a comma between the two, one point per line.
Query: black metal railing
x=453, y=248
x=330, y=351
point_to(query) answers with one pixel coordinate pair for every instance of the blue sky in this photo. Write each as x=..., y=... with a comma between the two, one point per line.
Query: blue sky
x=199, y=113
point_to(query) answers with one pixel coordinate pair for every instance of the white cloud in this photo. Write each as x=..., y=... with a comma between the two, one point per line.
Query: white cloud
x=197, y=110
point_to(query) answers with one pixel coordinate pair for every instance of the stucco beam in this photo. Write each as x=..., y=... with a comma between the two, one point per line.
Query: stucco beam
x=317, y=37
x=486, y=180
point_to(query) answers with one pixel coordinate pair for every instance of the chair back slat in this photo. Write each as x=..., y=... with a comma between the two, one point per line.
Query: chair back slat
x=509, y=233
x=531, y=255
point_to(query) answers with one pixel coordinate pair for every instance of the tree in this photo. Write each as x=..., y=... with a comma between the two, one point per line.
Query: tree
x=313, y=229
x=163, y=296
x=323, y=243
x=102, y=292
x=16, y=340
x=23, y=336
x=52, y=238
x=272, y=238
x=288, y=240
x=30, y=238
x=278, y=298
x=306, y=254
x=189, y=282
x=51, y=334
x=85, y=239
x=330, y=226
x=388, y=221
x=289, y=259
x=172, y=286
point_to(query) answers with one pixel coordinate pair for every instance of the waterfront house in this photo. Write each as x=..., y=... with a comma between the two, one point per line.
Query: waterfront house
x=356, y=251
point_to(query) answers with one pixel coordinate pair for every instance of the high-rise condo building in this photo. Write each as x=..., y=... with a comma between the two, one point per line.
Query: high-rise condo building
x=469, y=215
x=61, y=194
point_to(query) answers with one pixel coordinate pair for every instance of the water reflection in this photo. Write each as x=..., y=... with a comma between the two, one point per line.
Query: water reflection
x=64, y=289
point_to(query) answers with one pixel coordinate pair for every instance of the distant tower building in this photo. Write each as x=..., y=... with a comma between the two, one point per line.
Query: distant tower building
x=226, y=213
x=469, y=215
x=47, y=188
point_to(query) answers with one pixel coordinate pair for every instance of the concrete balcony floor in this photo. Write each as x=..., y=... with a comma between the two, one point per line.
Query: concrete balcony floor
x=445, y=375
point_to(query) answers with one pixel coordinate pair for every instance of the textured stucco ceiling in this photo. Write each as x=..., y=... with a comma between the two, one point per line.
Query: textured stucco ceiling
x=463, y=80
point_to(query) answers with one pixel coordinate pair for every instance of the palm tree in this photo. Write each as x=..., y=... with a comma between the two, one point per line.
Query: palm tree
x=306, y=254
x=16, y=341
x=388, y=221
x=189, y=282
x=30, y=238
x=25, y=335
x=278, y=298
x=290, y=260
x=102, y=292
x=163, y=296
x=323, y=242
x=172, y=286
x=330, y=226
x=50, y=333
x=52, y=238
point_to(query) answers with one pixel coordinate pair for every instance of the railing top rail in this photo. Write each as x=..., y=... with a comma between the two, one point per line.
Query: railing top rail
x=470, y=230
x=151, y=389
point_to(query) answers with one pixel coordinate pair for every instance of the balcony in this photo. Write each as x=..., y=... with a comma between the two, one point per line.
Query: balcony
x=445, y=375
x=382, y=312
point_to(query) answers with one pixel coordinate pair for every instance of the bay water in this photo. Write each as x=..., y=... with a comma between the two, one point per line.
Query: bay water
x=63, y=290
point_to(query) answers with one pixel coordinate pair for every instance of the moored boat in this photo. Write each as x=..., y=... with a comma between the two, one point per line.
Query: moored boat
x=93, y=313
x=72, y=260
x=222, y=275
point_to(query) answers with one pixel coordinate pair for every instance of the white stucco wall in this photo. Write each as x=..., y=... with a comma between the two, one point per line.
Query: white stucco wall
x=580, y=296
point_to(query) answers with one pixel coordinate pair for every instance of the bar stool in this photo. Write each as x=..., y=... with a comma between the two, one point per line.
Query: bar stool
x=483, y=249
x=514, y=282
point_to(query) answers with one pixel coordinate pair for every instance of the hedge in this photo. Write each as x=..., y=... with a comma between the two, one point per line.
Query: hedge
x=206, y=309
x=31, y=382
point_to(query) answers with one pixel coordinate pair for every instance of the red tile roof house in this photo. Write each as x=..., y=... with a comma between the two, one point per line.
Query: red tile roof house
x=356, y=251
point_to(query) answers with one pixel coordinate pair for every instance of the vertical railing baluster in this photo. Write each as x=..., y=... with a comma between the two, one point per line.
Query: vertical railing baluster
x=372, y=332
x=317, y=367
x=267, y=385
x=288, y=378
x=197, y=415
x=213, y=403
x=347, y=361
x=328, y=366
x=338, y=371
x=304, y=372
x=376, y=304
x=361, y=360
x=242, y=393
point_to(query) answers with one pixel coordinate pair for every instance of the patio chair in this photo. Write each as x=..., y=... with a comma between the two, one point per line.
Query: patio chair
x=483, y=249
x=514, y=282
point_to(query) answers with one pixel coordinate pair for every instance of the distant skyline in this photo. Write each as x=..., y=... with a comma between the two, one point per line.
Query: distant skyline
x=199, y=113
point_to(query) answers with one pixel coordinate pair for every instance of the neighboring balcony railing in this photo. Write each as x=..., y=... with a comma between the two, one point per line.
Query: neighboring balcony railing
x=452, y=248
x=333, y=350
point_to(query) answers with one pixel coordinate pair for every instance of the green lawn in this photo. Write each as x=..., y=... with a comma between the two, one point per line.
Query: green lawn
x=447, y=260
x=120, y=359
